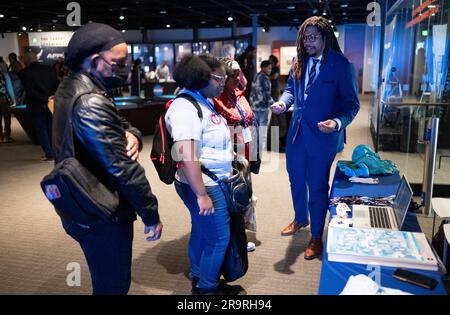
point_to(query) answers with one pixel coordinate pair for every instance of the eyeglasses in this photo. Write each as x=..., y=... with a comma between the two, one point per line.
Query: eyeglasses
x=310, y=38
x=221, y=79
x=124, y=63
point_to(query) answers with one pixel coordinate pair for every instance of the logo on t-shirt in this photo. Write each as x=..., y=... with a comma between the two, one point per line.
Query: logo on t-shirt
x=215, y=119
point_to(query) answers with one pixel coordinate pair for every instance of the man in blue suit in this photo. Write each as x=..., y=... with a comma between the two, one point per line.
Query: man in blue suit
x=323, y=89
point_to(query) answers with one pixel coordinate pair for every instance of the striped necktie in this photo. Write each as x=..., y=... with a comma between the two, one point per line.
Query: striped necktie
x=312, y=76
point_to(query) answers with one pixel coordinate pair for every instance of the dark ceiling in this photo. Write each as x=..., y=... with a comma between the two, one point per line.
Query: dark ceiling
x=152, y=14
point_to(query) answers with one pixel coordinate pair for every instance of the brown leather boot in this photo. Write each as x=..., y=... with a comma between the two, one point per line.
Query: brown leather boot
x=293, y=228
x=314, y=249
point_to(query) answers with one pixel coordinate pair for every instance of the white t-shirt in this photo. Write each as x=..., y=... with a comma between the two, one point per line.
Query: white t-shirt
x=216, y=152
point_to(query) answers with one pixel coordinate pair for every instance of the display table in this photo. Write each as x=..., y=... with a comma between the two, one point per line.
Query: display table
x=24, y=119
x=334, y=275
x=142, y=113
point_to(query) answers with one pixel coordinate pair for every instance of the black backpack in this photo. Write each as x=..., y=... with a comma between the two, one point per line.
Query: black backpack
x=161, y=154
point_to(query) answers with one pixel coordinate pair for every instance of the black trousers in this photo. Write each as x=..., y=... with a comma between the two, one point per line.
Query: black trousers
x=6, y=116
x=108, y=250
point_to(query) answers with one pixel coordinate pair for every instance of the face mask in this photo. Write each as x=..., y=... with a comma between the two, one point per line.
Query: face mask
x=120, y=75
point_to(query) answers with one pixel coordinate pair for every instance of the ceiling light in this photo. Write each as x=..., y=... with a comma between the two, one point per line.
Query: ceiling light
x=168, y=25
x=330, y=21
x=123, y=31
x=431, y=6
x=2, y=16
x=24, y=28
x=344, y=13
x=324, y=12
x=121, y=17
x=217, y=25
x=344, y=5
x=203, y=22
x=230, y=18
x=163, y=12
x=315, y=11
x=31, y=29
x=295, y=20
x=39, y=30
x=291, y=7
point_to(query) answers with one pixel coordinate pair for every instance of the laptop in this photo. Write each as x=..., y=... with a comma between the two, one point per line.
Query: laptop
x=385, y=217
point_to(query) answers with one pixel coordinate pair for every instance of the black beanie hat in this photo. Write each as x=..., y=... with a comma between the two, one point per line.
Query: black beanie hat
x=90, y=39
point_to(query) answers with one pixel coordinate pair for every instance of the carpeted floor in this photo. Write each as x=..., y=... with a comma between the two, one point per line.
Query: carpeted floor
x=36, y=254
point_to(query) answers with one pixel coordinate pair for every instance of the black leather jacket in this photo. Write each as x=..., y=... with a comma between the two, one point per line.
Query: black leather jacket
x=99, y=143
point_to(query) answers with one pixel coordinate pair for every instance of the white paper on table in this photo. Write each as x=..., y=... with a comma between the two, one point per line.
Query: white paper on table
x=363, y=285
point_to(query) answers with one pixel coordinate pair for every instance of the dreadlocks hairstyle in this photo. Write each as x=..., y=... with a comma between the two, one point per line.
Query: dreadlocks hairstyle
x=325, y=29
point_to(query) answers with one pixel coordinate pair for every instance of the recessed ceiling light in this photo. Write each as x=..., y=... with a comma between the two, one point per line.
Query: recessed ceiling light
x=39, y=30
x=2, y=16
x=217, y=25
x=24, y=28
x=295, y=20
x=121, y=17
x=344, y=5
x=163, y=12
x=203, y=22
x=344, y=13
x=168, y=25
x=324, y=12
x=230, y=18
x=123, y=31
x=291, y=7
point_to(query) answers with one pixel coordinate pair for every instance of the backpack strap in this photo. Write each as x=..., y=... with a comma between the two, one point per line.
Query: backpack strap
x=194, y=102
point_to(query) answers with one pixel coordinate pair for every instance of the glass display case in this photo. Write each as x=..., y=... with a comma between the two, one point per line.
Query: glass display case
x=410, y=74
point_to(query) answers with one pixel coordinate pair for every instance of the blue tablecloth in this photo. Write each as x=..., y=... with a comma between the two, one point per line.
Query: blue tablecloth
x=334, y=275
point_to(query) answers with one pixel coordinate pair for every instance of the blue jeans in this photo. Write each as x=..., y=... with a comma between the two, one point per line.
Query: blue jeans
x=210, y=235
x=108, y=249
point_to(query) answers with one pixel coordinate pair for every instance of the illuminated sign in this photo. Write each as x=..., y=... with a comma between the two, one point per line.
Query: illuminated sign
x=424, y=15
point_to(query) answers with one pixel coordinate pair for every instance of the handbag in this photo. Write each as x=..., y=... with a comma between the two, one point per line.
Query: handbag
x=236, y=189
x=77, y=194
x=235, y=264
x=237, y=193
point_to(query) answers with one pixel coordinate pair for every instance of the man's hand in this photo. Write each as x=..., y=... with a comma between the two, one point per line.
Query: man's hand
x=132, y=146
x=205, y=205
x=156, y=231
x=327, y=126
x=278, y=107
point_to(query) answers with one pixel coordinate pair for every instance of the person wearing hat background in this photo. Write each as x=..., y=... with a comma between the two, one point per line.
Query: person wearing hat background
x=106, y=145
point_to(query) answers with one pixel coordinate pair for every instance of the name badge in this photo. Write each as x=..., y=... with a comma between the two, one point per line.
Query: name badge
x=246, y=132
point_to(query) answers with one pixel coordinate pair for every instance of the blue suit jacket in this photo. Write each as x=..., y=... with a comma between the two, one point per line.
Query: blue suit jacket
x=334, y=94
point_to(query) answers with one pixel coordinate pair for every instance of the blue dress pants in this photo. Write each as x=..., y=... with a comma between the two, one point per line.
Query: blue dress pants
x=308, y=176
